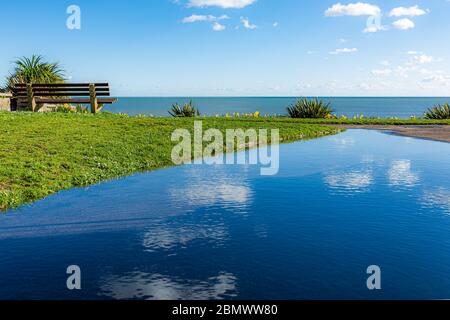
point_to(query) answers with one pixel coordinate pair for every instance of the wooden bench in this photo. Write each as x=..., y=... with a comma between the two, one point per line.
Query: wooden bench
x=34, y=96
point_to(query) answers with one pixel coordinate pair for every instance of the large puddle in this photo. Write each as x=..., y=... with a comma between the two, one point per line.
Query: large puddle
x=338, y=205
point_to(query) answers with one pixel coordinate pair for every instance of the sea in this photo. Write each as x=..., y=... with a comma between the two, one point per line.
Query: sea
x=384, y=107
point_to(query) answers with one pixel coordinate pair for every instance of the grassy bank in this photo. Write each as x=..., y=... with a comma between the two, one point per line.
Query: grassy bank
x=358, y=121
x=410, y=122
x=41, y=154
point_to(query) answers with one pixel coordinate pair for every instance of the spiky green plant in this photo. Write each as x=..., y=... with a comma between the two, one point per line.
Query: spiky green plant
x=310, y=108
x=186, y=110
x=438, y=112
x=35, y=70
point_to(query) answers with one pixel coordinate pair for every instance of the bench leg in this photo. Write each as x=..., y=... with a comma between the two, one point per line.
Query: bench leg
x=31, y=98
x=33, y=105
x=38, y=107
x=93, y=98
x=94, y=106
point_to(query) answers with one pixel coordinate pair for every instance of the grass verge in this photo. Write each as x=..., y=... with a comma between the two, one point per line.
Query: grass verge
x=43, y=153
x=371, y=121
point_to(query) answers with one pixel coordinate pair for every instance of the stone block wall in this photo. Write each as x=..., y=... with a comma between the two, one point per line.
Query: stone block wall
x=5, y=102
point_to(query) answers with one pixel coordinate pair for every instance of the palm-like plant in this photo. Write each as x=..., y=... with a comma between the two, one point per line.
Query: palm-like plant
x=187, y=110
x=35, y=70
x=306, y=108
x=438, y=112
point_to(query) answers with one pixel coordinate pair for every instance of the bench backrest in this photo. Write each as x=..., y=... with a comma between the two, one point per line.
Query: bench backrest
x=61, y=90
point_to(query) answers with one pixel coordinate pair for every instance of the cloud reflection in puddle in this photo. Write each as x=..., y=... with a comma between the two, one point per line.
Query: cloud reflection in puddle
x=439, y=197
x=165, y=237
x=357, y=181
x=145, y=286
x=400, y=174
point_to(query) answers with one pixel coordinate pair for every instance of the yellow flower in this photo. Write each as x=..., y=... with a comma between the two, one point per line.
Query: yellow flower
x=257, y=114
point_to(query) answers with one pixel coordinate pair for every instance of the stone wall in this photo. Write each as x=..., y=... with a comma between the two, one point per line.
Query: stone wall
x=5, y=101
x=5, y=105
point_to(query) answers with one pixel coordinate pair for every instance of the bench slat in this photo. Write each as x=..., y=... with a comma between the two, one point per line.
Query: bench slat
x=61, y=90
x=64, y=94
x=56, y=85
x=84, y=101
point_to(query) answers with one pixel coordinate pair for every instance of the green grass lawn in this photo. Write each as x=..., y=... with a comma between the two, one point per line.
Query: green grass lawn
x=410, y=122
x=351, y=121
x=43, y=153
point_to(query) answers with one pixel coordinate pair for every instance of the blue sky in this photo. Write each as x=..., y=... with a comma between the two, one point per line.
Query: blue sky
x=240, y=47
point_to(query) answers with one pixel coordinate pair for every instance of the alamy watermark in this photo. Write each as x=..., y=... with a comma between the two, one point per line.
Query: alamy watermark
x=374, y=280
x=374, y=24
x=73, y=22
x=74, y=280
x=221, y=151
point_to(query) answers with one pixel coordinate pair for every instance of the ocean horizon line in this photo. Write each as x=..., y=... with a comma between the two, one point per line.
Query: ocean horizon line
x=303, y=96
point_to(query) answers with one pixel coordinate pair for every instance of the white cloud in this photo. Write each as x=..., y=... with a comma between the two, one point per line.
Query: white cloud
x=247, y=24
x=374, y=28
x=344, y=50
x=403, y=24
x=353, y=9
x=423, y=59
x=410, y=12
x=226, y=4
x=412, y=52
x=382, y=72
x=218, y=27
x=439, y=78
x=197, y=18
x=402, y=72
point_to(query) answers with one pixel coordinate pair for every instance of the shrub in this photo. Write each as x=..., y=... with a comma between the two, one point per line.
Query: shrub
x=307, y=108
x=438, y=112
x=35, y=70
x=187, y=110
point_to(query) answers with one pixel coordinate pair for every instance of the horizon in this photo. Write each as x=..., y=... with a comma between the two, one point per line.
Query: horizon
x=240, y=48
x=275, y=97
